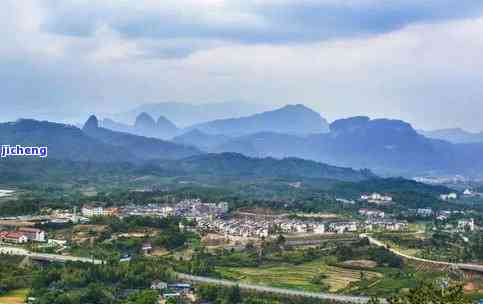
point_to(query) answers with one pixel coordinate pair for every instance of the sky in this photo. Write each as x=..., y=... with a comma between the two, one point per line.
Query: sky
x=416, y=60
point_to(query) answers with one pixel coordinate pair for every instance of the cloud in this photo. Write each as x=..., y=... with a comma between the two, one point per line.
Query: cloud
x=413, y=60
x=249, y=22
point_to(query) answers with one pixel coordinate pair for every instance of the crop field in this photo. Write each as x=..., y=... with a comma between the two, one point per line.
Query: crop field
x=299, y=276
x=14, y=297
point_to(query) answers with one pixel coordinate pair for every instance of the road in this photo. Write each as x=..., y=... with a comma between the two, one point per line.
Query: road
x=278, y=291
x=470, y=267
x=44, y=256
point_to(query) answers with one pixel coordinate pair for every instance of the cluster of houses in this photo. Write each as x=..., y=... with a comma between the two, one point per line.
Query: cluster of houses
x=376, y=198
x=148, y=210
x=376, y=220
x=23, y=235
x=95, y=210
x=262, y=227
x=195, y=208
x=235, y=227
x=189, y=208
x=258, y=228
x=468, y=193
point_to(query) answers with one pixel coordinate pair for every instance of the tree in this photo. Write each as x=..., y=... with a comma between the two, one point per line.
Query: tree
x=233, y=295
x=431, y=294
x=144, y=297
x=374, y=300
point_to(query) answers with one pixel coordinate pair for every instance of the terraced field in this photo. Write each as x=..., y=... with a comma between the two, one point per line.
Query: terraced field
x=298, y=277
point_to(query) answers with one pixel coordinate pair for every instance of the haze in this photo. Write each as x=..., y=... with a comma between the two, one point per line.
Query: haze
x=419, y=61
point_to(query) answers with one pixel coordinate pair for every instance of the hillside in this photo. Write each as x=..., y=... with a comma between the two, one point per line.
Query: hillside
x=291, y=119
x=234, y=164
x=145, y=125
x=63, y=141
x=204, y=141
x=456, y=135
x=386, y=146
x=186, y=114
x=142, y=147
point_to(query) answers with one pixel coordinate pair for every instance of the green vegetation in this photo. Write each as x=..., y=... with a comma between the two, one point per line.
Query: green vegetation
x=12, y=276
x=76, y=283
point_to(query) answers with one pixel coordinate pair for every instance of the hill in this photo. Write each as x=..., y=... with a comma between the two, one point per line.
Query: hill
x=63, y=141
x=234, y=164
x=291, y=119
x=185, y=114
x=204, y=141
x=456, y=135
x=145, y=125
x=142, y=147
x=386, y=146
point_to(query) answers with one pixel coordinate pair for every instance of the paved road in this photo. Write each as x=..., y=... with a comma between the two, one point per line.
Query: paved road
x=471, y=267
x=279, y=291
x=44, y=256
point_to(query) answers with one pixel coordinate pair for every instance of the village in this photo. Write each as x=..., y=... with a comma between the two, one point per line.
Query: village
x=216, y=218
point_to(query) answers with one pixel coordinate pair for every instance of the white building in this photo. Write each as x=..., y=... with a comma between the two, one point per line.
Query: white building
x=371, y=213
x=223, y=206
x=466, y=225
x=425, y=212
x=449, y=196
x=33, y=234
x=376, y=198
x=319, y=229
x=343, y=227
x=90, y=211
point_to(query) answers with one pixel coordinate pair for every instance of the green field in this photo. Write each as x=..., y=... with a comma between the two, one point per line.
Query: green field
x=299, y=276
x=14, y=297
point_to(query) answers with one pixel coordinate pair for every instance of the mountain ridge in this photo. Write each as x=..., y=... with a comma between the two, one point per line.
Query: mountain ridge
x=290, y=119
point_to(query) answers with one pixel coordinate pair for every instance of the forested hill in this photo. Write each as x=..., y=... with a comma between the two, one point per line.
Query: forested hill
x=234, y=164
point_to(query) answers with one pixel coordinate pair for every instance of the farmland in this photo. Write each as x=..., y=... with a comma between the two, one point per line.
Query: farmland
x=304, y=276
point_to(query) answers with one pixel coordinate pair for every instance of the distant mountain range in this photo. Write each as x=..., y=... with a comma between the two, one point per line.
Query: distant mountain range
x=99, y=145
x=144, y=148
x=145, y=125
x=185, y=114
x=456, y=135
x=63, y=141
x=291, y=119
x=389, y=147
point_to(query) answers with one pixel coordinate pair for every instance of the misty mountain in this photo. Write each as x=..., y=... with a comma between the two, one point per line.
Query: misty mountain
x=184, y=114
x=142, y=147
x=455, y=135
x=265, y=144
x=234, y=164
x=110, y=124
x=386, y=146
x=145, y=125
x=291, y=119
x=64, y=142
x=203, y=141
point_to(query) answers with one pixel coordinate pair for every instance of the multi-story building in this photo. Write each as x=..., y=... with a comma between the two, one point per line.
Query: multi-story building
x=90, y=211
x=33, y=234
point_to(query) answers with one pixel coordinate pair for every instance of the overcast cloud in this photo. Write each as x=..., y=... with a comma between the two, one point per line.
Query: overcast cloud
x=416, y=60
